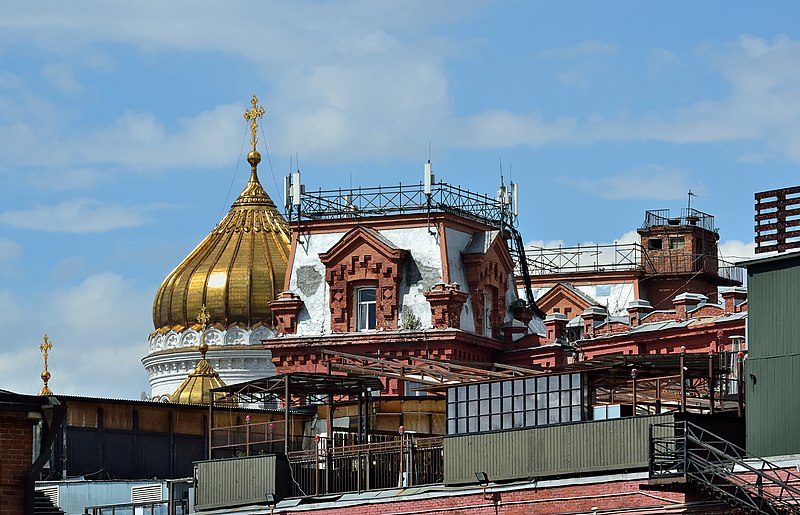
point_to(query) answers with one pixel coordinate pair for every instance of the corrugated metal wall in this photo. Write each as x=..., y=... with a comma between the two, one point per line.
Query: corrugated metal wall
x=74, y=496
x=773, y=363
x=235, y=481
x=550, y=450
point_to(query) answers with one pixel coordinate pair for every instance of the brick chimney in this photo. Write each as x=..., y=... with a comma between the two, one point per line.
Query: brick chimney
x=733, y=297
x=592, y=317
x=556, y=325
x=685, y=302
x=638, y=309
x=446, y=301
x=286, y=309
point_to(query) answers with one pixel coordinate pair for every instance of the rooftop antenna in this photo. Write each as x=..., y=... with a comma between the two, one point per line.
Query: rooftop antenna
x=690, y=199
x=427, y=186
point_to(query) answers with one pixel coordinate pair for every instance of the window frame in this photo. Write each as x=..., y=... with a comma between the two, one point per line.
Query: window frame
x=358, y=315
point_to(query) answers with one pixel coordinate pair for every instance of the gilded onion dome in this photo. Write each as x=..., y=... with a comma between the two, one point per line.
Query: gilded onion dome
x=237, y=269
x=196, y=388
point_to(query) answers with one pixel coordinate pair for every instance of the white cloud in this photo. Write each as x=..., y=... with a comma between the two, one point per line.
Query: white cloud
x=735, y=250
x=80, y=216
x=99, y=333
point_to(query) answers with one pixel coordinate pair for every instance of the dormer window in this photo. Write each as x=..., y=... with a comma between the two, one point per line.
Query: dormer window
x=365, y=308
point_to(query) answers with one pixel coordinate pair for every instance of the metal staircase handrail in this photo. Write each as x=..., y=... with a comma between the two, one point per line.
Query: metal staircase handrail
x=703, y=457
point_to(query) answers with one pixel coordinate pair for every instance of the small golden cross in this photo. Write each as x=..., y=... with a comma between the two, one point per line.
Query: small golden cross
x=202, y=318
x=45, y=347
x=253, y=115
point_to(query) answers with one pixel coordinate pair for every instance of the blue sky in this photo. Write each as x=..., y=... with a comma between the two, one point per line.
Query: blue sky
x=121, y=132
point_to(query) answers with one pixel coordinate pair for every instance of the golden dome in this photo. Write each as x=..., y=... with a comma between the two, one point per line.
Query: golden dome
x=235, y=271
x=195, y=388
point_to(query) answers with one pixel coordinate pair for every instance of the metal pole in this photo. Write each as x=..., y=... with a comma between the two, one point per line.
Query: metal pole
x=683, y=378
x=711, y=381
x=740, y=383
x=316, y=468
x=210, y=422
x=402, y=483
x=287, y=399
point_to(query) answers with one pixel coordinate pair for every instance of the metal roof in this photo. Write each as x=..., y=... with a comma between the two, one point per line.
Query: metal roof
x=696, y=364
x=300, y=383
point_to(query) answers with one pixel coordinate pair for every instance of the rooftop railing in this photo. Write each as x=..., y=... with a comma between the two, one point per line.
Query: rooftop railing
x=624, y=257
x=688, y=216
x=586, y=258
x=400, y=199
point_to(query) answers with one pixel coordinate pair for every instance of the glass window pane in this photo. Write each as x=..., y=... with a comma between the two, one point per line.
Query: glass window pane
x=496, y=422
x=462, y=425
x=519, y=419
x=507, y=421
x=473, y=424
x=495, y=405
x=576, y=380
x=565, y=414
x=553, y=416
x=507, y=404
x=484, y=390
x=552, y=383
x=507, y=388
x=530, y=418
x=473, y=408
x=473, y=391
x=462, y=410
x=552, y=400
x=519, y=403
x=541, y=384
x=530, y=385
x=576, y=413
x=484, y=407
x=495, y=389
x=541, y=417
x=541, y=400
x=451, y=426
x=366, y=294
x=576, y=397
x=565, y=382
x=566, y=398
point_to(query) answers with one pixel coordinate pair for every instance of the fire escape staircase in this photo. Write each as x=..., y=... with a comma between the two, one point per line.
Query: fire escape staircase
x=684, y=453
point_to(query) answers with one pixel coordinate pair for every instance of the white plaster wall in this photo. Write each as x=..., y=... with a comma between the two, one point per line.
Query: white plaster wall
x=457, y=241
x=420, y=275
x=315, y=317
x=615, y=297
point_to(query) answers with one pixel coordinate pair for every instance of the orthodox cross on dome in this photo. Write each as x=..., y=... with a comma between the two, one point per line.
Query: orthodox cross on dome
x=45, y=348
x=252, y=115
x=202, y=318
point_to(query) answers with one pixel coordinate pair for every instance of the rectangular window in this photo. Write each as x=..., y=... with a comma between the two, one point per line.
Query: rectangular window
x=676, y=242
x=365, y=309
x=654, y=243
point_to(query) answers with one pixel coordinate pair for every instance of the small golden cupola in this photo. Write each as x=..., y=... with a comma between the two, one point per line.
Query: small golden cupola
x=237, y=269
x=195, y=389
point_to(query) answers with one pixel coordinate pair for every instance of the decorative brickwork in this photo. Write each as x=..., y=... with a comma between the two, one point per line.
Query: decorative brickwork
x=488, y=273
x=363, y=258
x=286, y=309
x=446, y=302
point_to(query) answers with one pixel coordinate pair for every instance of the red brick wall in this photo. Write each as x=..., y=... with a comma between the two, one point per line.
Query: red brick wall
x=564, y=499
x=16, y=451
